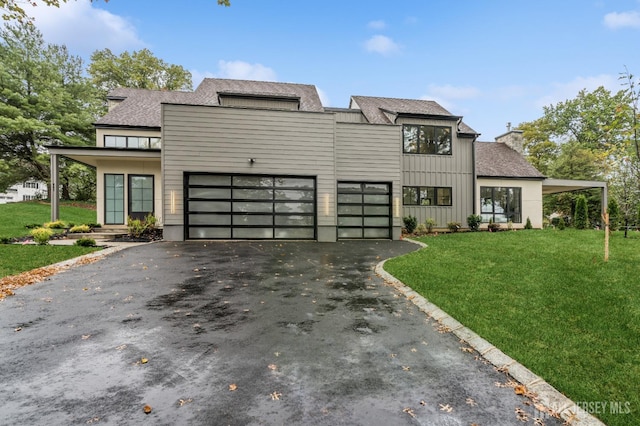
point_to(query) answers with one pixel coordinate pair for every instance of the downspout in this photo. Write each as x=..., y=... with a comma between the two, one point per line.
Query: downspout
x=475, y=175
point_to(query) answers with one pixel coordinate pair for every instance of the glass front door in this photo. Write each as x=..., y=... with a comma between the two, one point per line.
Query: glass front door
x=140, y=196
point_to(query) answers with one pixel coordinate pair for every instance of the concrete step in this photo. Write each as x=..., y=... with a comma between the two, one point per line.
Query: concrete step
x=96, y=235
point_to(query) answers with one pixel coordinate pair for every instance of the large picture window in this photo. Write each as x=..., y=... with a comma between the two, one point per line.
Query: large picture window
x=501, y=204
x=434, y=140
x=426, y=196
x=134, y=142
x=113, y=199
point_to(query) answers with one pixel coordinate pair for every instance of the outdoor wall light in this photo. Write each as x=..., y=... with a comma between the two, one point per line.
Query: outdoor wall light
x=173, y=202
x=396, y=202
x=326, y=204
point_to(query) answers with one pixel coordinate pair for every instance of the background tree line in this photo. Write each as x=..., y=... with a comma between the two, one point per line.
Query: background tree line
x=591, y=137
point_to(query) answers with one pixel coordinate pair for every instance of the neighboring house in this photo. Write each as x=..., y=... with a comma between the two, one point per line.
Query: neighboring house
x=25, y=191
x=242, y=159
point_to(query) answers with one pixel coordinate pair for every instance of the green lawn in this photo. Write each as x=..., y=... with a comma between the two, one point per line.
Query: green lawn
x=14, y=216
x=16, y=258
x=547, y=299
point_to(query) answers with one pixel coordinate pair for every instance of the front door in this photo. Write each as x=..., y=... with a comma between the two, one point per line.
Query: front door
x=140, y=196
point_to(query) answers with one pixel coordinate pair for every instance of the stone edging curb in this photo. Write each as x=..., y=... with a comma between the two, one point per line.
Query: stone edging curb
x=547, y=394
x=96, y=254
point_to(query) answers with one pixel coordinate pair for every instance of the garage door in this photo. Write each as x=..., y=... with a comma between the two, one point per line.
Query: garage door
x=249, y=207
x=364, y=210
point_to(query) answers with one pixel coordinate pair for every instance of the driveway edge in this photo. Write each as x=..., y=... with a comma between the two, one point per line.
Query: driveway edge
x=547, y=394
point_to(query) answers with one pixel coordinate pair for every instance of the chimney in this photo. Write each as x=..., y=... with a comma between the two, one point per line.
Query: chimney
x=513, y=139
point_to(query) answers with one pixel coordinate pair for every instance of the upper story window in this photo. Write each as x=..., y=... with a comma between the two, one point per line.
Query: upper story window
x=138, y=142
x=28, y=184
x=434, y=140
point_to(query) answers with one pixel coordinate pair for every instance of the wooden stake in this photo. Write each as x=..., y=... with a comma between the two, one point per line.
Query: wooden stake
x=605, y=218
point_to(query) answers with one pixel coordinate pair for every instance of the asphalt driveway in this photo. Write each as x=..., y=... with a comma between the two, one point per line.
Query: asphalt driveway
x=243, y=333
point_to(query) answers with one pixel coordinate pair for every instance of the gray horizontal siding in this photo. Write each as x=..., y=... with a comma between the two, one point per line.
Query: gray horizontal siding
x=221, y=140
x=366, y=152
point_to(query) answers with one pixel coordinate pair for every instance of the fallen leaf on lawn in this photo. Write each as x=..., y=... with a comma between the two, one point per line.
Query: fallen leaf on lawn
x=275, y=396
x=233, y=387
x=409, y=411
x=471, y=402
x=447, y=408
x=144, y=360
x=147, y=409
x=272, y=367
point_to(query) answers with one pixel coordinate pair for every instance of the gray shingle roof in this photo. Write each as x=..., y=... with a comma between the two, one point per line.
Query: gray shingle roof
x=374, y=109
x=141, y=108
x=207, y=92
x=495, y=159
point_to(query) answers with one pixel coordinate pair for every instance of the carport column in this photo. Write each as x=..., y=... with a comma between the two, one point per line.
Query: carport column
x=54, y=193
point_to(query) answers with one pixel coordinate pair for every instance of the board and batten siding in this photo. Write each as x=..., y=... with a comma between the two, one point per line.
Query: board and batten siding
x=370, y=153
x=455, y=171
x=218, y=139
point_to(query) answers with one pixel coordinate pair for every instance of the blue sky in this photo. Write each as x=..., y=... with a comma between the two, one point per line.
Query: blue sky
x=492, y=62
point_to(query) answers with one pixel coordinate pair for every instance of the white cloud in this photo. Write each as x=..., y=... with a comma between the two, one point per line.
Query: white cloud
x=560, y=92
x=381, y=44
x=198, y=76
x=447, y=94
x=615, y=20
x=245, y=71
x=377, y=25
x=84, y=28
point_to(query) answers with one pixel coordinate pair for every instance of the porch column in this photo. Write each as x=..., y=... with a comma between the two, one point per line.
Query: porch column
x=605, y=199
x=54, y=193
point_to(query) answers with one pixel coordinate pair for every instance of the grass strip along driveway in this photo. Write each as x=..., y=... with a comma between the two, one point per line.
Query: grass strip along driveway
x=547, y=299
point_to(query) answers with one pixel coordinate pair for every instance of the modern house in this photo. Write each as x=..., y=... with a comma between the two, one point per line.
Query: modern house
x=24, y=191
x=239, y=159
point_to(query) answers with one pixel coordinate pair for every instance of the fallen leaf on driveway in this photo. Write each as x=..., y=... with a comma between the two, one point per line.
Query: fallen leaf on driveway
x=446, y=408
x=17, y=329
x=406, y=368
x=182, y=402
x=233, y=387
x=471, y=402
x=144, y=360
x=275, y=396
x=272, y=367
x=147, y=409
x=520, y=390
x=85, y=336
x=409, y=411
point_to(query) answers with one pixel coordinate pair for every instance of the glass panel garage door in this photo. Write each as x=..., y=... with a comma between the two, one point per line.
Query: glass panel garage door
x=250, y=207
x=364, y=210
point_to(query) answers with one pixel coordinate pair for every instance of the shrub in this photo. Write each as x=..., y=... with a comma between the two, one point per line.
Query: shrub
x=5, y=240
x=453, y=226
x=429, y=224
x=139, y=227
x=474, y=221
x=410, y=223
x=32, y=225
x=561, y=223
x=528, y=224
x=94, y=225
x=80, y=229
x=85, y=242
x=614, y=214
x=493, y=227
x=510, y=225
x=58, y=224
x=420, y=230
x=41, y=235
x=581, y=215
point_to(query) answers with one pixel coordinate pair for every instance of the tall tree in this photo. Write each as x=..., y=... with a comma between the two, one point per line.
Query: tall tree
x=44, y=100
x=140, y=70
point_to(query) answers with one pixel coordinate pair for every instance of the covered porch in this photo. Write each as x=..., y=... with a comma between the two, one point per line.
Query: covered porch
x=555, y=186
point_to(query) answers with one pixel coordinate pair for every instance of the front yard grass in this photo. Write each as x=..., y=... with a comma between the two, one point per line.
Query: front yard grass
x=547, y=299
x=15, y=216
x=17, y=258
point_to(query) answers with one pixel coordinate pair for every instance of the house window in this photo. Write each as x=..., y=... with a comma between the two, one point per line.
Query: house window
x=426, y=196
x=434, y=140
x=113, y=199
x=28, y=197
x=501, y=204
x=133, y=142
x=33, y=185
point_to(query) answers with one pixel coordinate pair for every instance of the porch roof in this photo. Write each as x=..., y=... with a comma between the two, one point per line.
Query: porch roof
x=554, y=186
x=90, y=155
